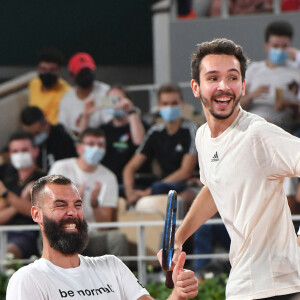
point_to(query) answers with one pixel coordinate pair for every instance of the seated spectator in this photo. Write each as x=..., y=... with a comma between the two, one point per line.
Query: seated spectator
x=99, y=187
x=82, y=70
x=46, y=90
x=171, y=143
x=16, y=179
x=53, y=140
x=123, y=133
x=267, y=82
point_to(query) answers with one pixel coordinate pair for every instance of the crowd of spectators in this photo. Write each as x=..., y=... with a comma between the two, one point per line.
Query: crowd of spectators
x=95, y=135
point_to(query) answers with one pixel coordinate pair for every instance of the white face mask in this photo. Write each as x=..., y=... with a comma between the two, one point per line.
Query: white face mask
x=21, y=160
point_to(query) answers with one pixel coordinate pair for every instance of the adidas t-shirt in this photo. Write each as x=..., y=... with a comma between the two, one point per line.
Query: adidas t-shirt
x=244, y=168
x=104, y=277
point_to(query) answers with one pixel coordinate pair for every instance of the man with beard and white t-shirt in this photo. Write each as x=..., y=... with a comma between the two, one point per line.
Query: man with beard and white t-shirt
x=62, y=272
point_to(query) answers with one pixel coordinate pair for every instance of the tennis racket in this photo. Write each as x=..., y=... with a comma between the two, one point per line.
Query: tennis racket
x=169, y=234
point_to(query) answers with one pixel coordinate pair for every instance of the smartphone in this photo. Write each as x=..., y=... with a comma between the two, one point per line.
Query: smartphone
x=106, y=101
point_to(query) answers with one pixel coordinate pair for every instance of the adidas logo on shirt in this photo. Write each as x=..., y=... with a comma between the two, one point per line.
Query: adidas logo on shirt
x=215, y=157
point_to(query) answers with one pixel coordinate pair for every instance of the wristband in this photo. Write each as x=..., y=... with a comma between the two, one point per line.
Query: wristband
x=133, y=111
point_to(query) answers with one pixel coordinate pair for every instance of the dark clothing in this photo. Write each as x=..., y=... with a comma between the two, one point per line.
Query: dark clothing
x=169, y=149
x=119, y=148
x=26, y=240
x=58, y=145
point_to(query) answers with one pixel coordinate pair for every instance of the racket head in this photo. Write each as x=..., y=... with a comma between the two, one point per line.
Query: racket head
x=169, y=230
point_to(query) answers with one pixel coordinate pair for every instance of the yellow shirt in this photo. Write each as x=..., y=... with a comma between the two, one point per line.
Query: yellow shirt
x=48, y=101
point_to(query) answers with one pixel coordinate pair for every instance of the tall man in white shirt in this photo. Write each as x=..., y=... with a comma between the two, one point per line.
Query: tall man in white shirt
x=243, y=160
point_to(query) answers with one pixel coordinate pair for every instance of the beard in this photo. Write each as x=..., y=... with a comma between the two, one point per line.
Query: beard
x=63, y=241
x=206, y=103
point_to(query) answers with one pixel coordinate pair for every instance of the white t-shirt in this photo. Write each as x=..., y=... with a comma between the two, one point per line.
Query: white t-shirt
x=108, y=195
x=104, y=277
x=258, y=73
x=244, y=168
x=71, y=108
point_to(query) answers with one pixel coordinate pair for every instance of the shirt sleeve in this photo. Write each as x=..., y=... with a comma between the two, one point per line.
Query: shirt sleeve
x=127, y=279
x=22, y=286
x=276, y=151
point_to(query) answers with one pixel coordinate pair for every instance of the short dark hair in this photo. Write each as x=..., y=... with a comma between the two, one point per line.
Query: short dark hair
x=51, y=54
x=169, y=87
x=281, y=28
x=91, y=131
x=21, y=135
x=31, y=115
x=39, y=185
x=217, y=46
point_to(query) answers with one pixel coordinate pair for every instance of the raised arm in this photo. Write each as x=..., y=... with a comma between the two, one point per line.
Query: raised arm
x=202, y=209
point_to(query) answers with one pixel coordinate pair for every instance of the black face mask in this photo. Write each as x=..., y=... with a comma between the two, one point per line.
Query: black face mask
x=85, y=78
x=48, y=79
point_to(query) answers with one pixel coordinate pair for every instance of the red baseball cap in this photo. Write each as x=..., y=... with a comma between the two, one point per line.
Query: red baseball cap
x=80, y=61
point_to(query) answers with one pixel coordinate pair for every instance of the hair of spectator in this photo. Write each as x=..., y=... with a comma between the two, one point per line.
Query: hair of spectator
x=280, y=28
x=169, y=88
x=121, y=88
x=39, y=185
x=31, y=115
x=51, y=54
x=98, y=132
x=217, y=46
x=21, y=135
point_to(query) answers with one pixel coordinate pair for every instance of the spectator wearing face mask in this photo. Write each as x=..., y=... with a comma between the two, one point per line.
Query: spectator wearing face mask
x=98, y=187
x=53, y=141
x=171, y=143
x=267, y=82
x=82, y=70
x=46, y=90
x=16, y=179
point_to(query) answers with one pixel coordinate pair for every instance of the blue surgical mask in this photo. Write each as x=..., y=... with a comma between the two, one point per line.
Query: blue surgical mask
x=277, y=56
x=40, y=138
x=93, y=154
x=116, y=113
x=170, y=113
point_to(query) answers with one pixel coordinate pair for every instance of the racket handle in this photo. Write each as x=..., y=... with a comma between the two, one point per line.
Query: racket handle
x=169, y=281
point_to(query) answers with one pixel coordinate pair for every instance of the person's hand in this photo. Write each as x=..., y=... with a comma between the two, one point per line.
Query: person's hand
x=89, y=108
x=2, y=188
x=263, y=89
x=185, y=282
x=292, y=52
x=133, y=196
x=125, y=104
x=95, y=193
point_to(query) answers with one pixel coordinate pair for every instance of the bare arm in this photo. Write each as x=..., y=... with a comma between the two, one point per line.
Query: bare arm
x=128, y=176
x=202, y=209
x=6, y=213
x=137, y=129
x=21, y=204
x=185, y=171
x=89, y=108
x=247, y=99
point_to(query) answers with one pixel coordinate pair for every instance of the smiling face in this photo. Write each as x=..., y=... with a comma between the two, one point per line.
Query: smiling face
x=221, y=86
x=60, y=217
